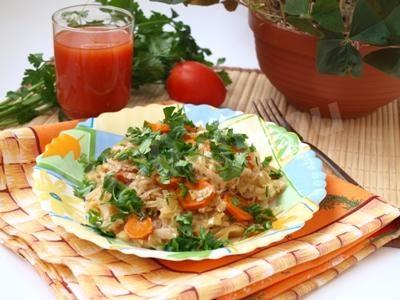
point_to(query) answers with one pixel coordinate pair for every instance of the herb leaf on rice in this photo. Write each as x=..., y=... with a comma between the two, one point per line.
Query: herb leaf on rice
x=176, y=186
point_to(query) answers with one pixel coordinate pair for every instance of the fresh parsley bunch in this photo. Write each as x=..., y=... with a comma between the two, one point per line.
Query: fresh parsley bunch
x=36, y=96
x=160, y=42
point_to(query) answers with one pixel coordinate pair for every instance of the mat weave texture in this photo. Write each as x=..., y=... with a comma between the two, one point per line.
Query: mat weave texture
x=368, y=148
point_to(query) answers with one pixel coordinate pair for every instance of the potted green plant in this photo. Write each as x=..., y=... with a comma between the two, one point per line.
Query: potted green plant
x=328, y=53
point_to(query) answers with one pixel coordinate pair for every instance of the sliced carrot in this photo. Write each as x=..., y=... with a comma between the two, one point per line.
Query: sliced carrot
x=190, y=139
x=121, y=178
x=190, y=128
x=137, y=228
x=189, y=203
x=198, y=185
x=236, y=212
x=158, y=127
x=172, y=185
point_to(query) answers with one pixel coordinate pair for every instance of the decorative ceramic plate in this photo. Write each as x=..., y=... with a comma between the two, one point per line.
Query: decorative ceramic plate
x=58, y=171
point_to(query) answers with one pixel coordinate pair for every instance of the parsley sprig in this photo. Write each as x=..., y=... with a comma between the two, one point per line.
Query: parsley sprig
x=122, y=197
x=86, y=186
x=163, y=154
x=228, y=148
x=36, y=96
x=188, y=241
x=262, y=217
x=273, y=173
x=96, y=223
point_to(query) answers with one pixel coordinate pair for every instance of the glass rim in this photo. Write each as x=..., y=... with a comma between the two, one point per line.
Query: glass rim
x=81, y=29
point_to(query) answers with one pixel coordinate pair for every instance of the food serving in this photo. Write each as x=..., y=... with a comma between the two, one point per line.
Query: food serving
x=176, y=186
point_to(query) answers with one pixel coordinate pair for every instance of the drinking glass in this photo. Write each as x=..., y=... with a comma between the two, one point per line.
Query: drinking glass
x=93, y=51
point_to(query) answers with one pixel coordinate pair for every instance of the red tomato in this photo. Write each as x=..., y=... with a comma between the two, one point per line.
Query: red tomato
x=193, y=82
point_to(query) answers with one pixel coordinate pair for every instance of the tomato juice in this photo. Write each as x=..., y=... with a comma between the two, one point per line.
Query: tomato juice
x=93, y=70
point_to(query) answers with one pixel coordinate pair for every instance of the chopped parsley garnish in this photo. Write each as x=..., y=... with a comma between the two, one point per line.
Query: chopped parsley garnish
x=229, y=149
x=260, y=214
x=257, y=228
x=95, y=218
x=164, y=154
x=183, y=190
x=275, y=174
x=235, y=201
x=86, y=186
x=83, y=188
x=88, y=165
x=187, y=241
x=176, y=117
x=95, y=222
x=262, y=217
x=122, y=197
x=232, y=168
x=267, y=160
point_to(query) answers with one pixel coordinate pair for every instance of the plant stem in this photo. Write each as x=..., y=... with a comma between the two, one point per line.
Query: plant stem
x=17, y=108
x=282, y=8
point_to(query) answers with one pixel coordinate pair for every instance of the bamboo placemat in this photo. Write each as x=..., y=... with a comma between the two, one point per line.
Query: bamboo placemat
x=368, y=148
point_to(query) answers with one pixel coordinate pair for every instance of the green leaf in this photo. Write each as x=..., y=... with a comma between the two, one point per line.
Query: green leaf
x=232, y=168
x=338, y=58
x=188, y=241
x=224, y=77
x=393, y=24
x=94, y=217
x=35, y=59
x=122, y=197
x=327, y=14
x=260, y=214
x=267, y=160
x=160, y=46
x=383, y=8
x=303, y=24
x=84, y=188
x=368, y=25
x=297, y=7
x=386, y=60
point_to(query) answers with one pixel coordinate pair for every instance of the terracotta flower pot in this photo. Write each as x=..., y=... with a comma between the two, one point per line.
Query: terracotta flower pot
x=288, y=58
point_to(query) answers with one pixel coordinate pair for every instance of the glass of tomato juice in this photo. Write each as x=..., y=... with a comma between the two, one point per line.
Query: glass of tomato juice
x=93, y=50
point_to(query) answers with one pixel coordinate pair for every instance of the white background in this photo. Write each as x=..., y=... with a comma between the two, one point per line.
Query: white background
x=25, y=27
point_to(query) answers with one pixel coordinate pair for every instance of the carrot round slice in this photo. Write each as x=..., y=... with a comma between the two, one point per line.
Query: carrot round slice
x=188, y=203
x=158, y=127
x=190, y=128
x=137, y=228
x=172, y=185
x=121, y=178
x=236, y=212
x=189, y=138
